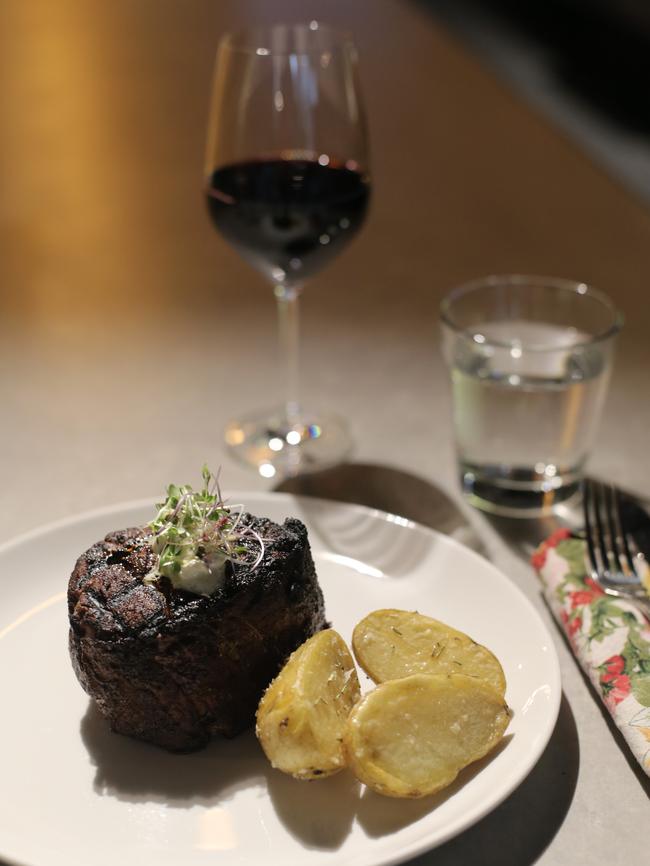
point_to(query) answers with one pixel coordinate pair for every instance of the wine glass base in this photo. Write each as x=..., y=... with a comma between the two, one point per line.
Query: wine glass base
x=276, y=446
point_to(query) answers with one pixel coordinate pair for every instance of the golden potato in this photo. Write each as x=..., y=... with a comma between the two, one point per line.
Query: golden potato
x=410, y=737
x=302, y=714
x=389, y=644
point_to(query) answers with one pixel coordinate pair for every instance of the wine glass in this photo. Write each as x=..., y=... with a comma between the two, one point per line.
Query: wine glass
x=287, y=185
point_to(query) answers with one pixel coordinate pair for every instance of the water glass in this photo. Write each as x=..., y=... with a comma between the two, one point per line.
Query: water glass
x=530, y=359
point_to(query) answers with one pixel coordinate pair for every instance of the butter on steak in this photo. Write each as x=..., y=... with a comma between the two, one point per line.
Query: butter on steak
x=174, y=668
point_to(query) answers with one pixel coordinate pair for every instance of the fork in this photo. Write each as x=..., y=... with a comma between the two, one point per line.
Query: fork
x=615, y=560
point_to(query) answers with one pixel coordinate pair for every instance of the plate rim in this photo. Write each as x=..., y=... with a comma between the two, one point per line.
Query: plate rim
x=416, y=847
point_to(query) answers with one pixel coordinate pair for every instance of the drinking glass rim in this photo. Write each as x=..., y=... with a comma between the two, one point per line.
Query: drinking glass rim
x=236, y=40
x=557, y=283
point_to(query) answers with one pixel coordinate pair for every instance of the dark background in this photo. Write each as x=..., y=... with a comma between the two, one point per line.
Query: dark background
x=584, y=63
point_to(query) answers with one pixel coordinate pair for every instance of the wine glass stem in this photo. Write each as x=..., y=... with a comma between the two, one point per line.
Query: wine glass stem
x=289, y=332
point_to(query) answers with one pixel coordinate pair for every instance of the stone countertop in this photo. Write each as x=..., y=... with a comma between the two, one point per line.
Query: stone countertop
x=130, y=333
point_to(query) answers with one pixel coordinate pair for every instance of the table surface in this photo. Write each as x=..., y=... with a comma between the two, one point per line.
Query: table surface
x=130, y=333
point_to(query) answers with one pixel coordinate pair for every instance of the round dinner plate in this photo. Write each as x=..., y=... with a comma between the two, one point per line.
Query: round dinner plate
x=73, y=792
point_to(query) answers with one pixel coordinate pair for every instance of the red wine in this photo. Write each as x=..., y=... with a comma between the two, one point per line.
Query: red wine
x=288, y=217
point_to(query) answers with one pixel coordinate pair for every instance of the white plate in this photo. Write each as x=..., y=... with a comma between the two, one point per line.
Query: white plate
x=72, y=792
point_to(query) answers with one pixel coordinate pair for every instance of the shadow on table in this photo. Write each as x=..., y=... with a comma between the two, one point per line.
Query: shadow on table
x=524, y=534
x=387, y=489
x=522, y=827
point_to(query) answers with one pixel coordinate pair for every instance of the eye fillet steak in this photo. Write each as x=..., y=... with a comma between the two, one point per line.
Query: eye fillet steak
x=174, y=668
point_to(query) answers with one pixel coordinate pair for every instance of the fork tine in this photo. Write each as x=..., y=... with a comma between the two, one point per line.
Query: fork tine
x=634, y=554
x=603, y=539
x=614, y=540
x=623, y=544
x=591, y=528
x=610, y=551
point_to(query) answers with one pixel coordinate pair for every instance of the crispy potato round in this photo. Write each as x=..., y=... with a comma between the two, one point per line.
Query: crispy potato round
x=410, y=737
x=302, y=714
x=389, y=644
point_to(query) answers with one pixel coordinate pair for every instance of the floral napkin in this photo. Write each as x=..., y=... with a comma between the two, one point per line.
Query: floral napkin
x=609, y=636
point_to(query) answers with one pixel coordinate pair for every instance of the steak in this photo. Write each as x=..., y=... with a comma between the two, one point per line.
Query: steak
x=174, y=668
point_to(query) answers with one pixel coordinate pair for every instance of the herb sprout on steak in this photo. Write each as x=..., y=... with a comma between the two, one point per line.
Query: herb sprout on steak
x=176, y=667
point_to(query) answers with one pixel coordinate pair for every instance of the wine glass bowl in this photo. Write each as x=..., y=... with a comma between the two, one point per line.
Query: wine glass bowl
x=287, y=185
x=293, y=213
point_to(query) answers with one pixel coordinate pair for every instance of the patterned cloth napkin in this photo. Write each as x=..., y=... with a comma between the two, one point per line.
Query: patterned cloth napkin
x=609, y=636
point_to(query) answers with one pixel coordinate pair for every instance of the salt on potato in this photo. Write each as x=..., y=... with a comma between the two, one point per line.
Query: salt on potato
x=410, y=737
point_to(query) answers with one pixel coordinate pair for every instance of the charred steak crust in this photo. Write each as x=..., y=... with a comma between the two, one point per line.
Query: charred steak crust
x=175, y=668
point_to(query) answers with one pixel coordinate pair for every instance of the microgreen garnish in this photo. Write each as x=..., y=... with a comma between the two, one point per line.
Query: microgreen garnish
x=196, y=533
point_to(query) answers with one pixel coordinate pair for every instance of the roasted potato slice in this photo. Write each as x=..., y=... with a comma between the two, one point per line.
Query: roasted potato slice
x=410, y=737
x=389, y=644
x=302, y=714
